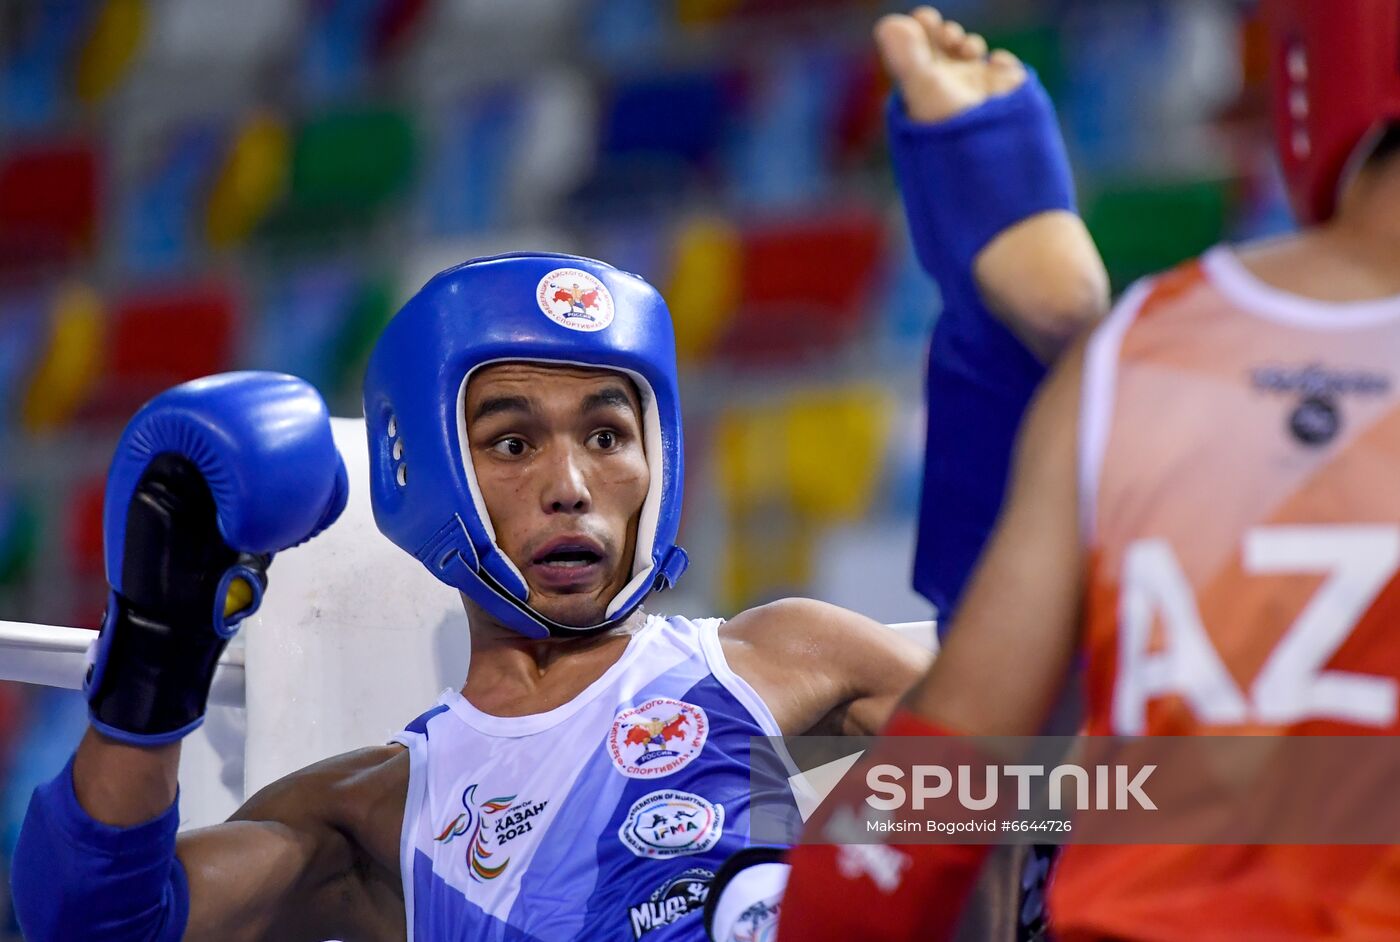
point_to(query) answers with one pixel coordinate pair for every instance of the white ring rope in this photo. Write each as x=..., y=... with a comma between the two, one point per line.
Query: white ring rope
x=240, y=749
x=56, y=656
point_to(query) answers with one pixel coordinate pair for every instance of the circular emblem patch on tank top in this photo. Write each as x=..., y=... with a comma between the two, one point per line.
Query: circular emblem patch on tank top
x=1315, y=421
x=657, y=738
x=671, y=823
x=575, y=299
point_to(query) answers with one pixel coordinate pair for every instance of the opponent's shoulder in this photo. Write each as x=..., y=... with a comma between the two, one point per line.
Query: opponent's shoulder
x=1190, y=288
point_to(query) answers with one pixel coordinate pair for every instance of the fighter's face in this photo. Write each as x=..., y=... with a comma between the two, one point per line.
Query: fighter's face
x=559, y=458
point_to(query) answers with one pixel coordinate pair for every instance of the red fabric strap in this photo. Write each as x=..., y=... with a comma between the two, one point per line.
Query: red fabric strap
x=880, y=892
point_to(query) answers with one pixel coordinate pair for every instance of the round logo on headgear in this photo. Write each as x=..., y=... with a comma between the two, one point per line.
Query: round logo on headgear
x=575, y=299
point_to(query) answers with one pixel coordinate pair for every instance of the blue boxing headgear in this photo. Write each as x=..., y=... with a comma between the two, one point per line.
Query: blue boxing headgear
x=539, y=308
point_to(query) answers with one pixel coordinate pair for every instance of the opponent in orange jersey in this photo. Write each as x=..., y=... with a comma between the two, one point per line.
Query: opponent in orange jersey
x=1204, y=507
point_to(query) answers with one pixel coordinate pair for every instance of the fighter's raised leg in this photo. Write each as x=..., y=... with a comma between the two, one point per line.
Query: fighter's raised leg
x=1014, y=227
x=941, y=69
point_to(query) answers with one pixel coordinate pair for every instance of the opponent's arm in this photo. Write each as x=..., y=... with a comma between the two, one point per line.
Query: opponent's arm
x=1001, y=666
x=822, y=669
x=986, y=182
x=1003, y=663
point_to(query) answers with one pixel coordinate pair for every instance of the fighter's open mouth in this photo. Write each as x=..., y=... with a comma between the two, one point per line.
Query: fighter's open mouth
x=569, y=550
x=570, y=557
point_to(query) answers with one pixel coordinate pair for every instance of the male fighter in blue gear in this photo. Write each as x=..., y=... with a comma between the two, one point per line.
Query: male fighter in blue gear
x=591, y=776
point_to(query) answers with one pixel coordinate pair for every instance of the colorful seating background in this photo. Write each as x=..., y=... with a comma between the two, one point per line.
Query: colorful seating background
x=188, y=186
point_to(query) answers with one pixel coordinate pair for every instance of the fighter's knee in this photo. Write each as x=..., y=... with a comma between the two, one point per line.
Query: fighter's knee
x=1044, y=279
x=1064, y=310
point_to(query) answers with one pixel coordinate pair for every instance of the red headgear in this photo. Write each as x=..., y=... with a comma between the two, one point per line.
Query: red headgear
x=1335, y=67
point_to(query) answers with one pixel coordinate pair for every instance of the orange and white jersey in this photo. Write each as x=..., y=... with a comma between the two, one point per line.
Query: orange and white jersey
x=1239, y=449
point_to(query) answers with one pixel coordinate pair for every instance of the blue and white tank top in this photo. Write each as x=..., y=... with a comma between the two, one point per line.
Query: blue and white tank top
x=604, y=819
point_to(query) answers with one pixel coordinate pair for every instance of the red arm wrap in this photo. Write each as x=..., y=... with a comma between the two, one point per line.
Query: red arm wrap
x=880, y=892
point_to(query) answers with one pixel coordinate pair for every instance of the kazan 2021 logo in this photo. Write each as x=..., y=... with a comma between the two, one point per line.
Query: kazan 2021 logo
x=657, y=738
x=575, y=299
x=671, y=823
x=489, y=826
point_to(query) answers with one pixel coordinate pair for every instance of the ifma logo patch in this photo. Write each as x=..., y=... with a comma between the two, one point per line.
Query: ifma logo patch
x=671, y=823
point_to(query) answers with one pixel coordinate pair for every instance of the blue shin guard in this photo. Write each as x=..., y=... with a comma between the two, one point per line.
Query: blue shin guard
x=967, y=179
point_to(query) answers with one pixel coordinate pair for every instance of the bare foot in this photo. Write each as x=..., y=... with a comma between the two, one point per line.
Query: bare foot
x=941, y=69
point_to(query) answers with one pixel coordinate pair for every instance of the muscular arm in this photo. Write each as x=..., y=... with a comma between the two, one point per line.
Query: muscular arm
x=822, y=669
x=1013, y=640
x=304, y=857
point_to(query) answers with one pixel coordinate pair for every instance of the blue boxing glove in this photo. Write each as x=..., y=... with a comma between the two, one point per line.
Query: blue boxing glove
x=208, y=481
